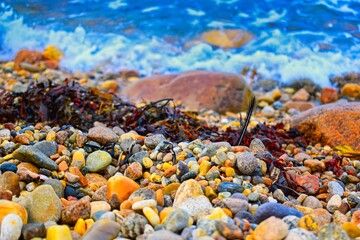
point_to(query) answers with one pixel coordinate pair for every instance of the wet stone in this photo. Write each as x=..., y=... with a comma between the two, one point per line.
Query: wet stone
x=98, y=160
x=138, y=157
x=267, y=210
x=182, y=168
x=76, y=210
x=143, y=194
x=70, y=192
x=5, y=167
x=230, y=187
x=245, y=215
x=10, y=181
x=188, y=175
x=33, y=230
x=47, y=147
x=133, y=225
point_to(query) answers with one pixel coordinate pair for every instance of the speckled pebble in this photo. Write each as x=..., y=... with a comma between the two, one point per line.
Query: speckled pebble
x=98, y=160
x=11, y=226
x=335, y=188
x=246, y=163
x=334, y=203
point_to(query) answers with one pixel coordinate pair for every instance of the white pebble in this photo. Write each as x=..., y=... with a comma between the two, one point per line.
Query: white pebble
x=11, y=227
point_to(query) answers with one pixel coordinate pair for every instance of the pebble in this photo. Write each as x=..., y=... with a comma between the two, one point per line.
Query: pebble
x=76, y=210
x=43, y=205
x=246, y=163
x=300, y=234
x=33, y=230
x=164, y=235
x=134, y=171
x=177, y=220
x=47, y=147
x=151, y=216
x=35, y=156
x=98, y=206
x=5, y=134
x=196, y=207
x=152, y=141
x=312, y=202
x=230, y=187
x=334, y=203
x=121, y=186
x=98, y=160
x=279, y=229
x=8, y=207
x=5, y=167
x=332, y=231
x=335, y=188
x=268, y=111
x=310, y=182
x=133, y=225
x=267, y=210
x=10, y=181
x=235, y=204
x=292, y=221
x=58, y=232
x=102, y=135
x=11, y=226
x=279, y=195
x=189, y=188
x=144, y=203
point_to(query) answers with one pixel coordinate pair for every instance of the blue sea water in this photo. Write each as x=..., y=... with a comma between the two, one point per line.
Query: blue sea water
x=314, y=39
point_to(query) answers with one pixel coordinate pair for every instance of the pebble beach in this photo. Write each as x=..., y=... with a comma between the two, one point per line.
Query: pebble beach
x=95, y=179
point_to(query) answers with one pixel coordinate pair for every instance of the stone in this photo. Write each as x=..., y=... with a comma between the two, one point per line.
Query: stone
x=351, y=229
x=33, y=230
x=314, y=165
x=309, y=182
x=279, y=229
x=98, y=160
x=96, y=206
x=177, y=220
x=236, y=204
x=301, y=157
x=340, y=81
x=102, y=135
x=31, y=167
x=332, y=231
x=351, y=90
x=152, y=141
x=268, y=112
x=134, y=171
x=227, y=38
x=269, y=209
x=298, y=105
x=229, y=231
x=95, y=181
x=56, y=185
x=121, y=186
x=246, y=162
x=163, y=235
x=324, y=124
x=43, y=205
x=27, y=56
x=5, y=134
x=139, y=205
x=58, y=232
x=291, y=220
x=103, y=229
x=230, y=187
x=301, y=95
x=76, y=210
x=334, y=203
x=10, y=181
x=329, y=95
x=335, y=188
x=196, y=207
x=8, y=167
x=8, y=207
x=47, y=147
x=300, y=234
x=143, y=194
x=151, y=216
x=34, y=155
x=189, y=188
x=232, y=93
x=312, y=202
x=133, y=225
x=11, y=226
x=100, y=194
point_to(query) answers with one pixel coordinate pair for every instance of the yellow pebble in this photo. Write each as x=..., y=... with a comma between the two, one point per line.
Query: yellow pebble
x=307, y=222
x=199, y=233
x=53, y=53
x=217, y=180
x=151, y=216
x=146, y=175
x=217, y=213
x=351, y=229
x=78, y=156
x=51, y=136
x=155, y=178
x=147, y=162
x=229, y=172
x=223, y=195
x=58, y=232
x=166, y=166
x=80, y=226
x=210, y=193
x=89, y=222
x=165, y=212
x=190, y=221
x=246, y=192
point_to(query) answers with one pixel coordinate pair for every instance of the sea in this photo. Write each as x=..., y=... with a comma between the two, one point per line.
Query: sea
x=292, y=39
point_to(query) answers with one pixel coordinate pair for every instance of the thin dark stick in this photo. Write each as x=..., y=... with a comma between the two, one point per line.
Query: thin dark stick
x=247, y=120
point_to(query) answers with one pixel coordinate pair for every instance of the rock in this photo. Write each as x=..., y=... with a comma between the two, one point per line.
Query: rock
x=33, y=230
x=133, y=225
x=177, y=220
x=292, y=221
x=309, y=182
x=11, y=226
x=351, y=90
x=34, y=155
x=298, y=105
x=229, y=231
x=268, y=112
x=312, y=202
x=163, y=235
x=27, y=56
x=121, y=186
x=100, y=194
x=279, y=229
x=196, y=207
x=325, y=124
x=102, y=135
x=134, y=171
x=139, y=205
x=8, y=207
x=301, y=95
x=246, y=162
x=267, y=210
x=96, y=206
x=279, y=195
x=300, y=234
x=217, y=91
x=98, y=160
x=315, y=165
x=301, y=157
x=230, y=187
x=152, y=141
x=47, y=147
x=332, y=231
x=236, y=204
x=227, y=38
x=334, y=203
x=340, y=81
x=335, y=188
x=43, y=205
x=143, y=194
x=103, y=229
x=189, y=188
x=10, y=181
x=5, y=134
x=351, y=229
x=58, y=232
x=76, y=210
x=329, y=95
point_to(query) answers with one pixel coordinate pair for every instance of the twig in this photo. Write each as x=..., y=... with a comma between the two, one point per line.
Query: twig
x=247, y=121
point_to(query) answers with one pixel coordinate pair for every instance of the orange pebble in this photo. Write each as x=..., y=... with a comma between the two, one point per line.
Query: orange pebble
x=228, y=212
x=122, y=186
x=165, y=212
x=127, y=204
x=61, y=148
x=63, y=166
x=160, y=197
x=238, y=149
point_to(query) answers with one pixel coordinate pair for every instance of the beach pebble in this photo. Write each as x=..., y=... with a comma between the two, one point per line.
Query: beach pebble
x=5, y=167
x=10, y=181
x=47, y=147
x=133, y=225
x=11, y=226
x=121, y=186
x=230, y=187
x=134, y=171
x=139, y=205
x=143, y=194
x=301, y=157
x=335, y=188
x=196, y=207
x=279, y=229
x=334, y=203
x=164, y=235
x=312, y=202
x=189, y=188
x=43, y=205
x=33, y=230
x=98, y=206
x=267, y=210
x=279, y=195
x=268, y=111
x=301, y=95
x=98, y=160
x=102, y=135
x=229, y=231
x=177, y=220
x=152, y=141
x=58, y=232
x=253, y=197
x=314, y=165
x=351, y=90
x=332, y=231
x=291, y=220
x=35, y=156
x=8, y=207
x=138, y=157
x=235, y=204
x=246, y=163
x=76, y=210
x=257, y=146
x=310, y=182
x=300, y=234
x=5, y=134
x=151, y=216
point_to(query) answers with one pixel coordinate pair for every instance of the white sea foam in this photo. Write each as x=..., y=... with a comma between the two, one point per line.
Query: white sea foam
x=150, y=9
x=117, y=4
x=272, y=17
x=193, y=12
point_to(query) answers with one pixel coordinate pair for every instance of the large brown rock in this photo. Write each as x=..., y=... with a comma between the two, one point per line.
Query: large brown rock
x=196, y=90
x=333, y=124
